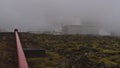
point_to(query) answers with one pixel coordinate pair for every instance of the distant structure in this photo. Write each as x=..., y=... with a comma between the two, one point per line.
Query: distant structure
x=81, y=29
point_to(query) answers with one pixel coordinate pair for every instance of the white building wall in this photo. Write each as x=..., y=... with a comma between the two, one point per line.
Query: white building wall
x=80, y=29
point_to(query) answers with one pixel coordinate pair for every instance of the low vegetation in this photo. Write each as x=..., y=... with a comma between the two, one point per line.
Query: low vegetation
x=73, y=51
x=8, y=55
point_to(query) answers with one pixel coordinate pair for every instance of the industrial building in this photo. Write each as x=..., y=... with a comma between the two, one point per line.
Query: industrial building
x=80, y=29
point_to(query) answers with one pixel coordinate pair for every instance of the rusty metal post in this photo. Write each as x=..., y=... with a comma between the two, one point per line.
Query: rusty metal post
x=22, y=62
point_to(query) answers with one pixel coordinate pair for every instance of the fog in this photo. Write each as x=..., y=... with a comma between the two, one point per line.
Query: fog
x=35, y=15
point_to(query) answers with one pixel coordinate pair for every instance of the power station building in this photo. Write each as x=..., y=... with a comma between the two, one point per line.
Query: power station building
x=80, y=29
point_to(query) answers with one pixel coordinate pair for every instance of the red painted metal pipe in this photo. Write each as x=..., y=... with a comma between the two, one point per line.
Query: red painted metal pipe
x=22, y=62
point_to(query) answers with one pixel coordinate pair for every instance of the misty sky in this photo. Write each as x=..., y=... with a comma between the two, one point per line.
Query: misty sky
x=28, y=15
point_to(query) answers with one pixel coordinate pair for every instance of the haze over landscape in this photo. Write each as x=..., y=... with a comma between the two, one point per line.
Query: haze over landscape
x=29, y=15
x=59, y=34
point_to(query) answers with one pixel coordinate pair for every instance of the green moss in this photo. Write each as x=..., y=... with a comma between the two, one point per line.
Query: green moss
x=108, y=62
x=99, y=49
x=109, y=51
x=50, y=61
